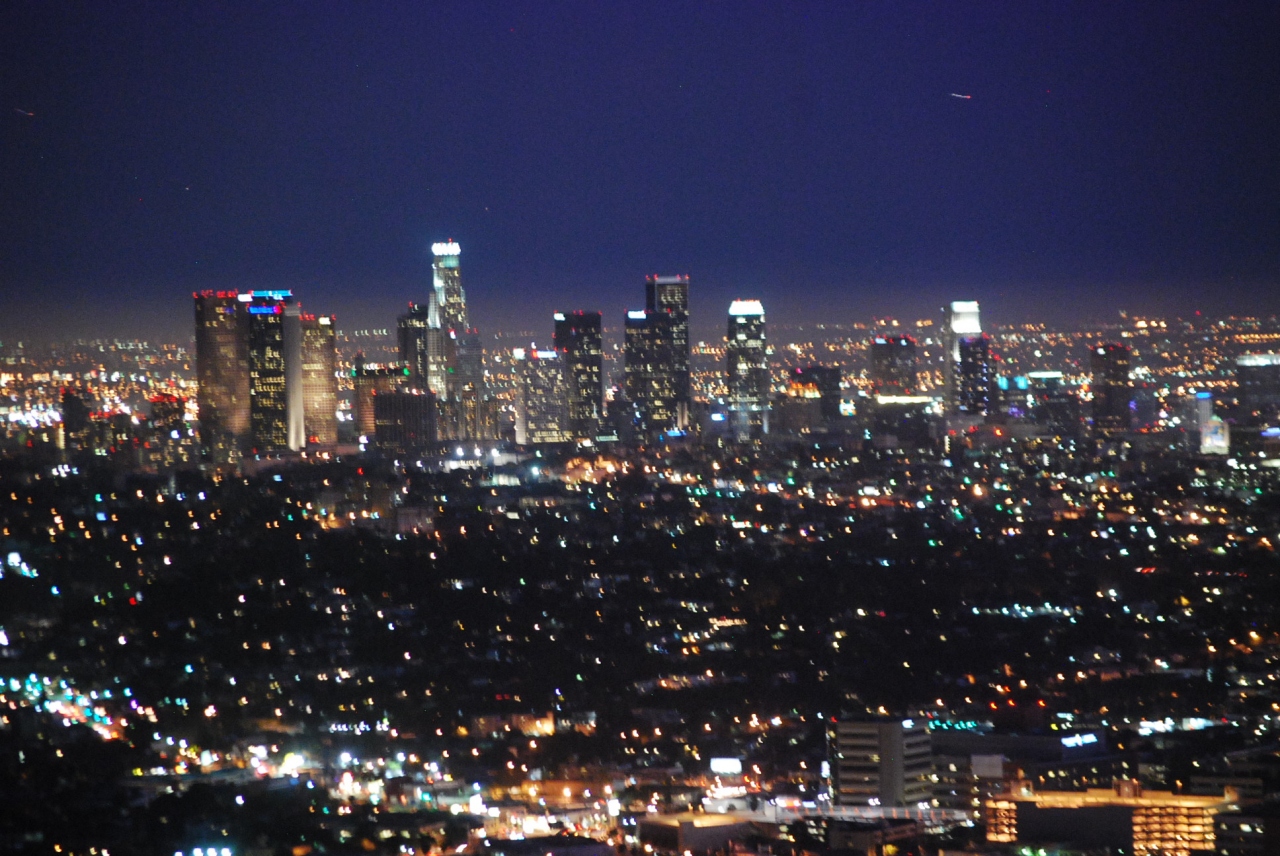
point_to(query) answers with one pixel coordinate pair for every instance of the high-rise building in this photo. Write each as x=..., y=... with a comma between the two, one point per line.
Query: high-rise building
x=319, y=380
x=961, y=320
x=446, y=285
x=670, y=295
x=884, y=762
x=974, y=376
x=1259, y=378
x=747, y=370
x=648, y=379
x=825, y=382
x=893, y=365
x=1052, y=403
x=468, y=373
x=367, y=381
x=404, y=421
x=412, y=328
x=222, y=374
x=580, y=341
x=1112, y=386
x=446, y=316
x=542, y=412
x=276, y=419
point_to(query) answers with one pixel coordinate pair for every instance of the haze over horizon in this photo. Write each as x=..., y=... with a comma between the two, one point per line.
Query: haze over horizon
x=811, y=156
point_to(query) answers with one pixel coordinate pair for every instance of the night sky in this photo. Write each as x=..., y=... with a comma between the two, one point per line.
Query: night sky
x=1111, y=156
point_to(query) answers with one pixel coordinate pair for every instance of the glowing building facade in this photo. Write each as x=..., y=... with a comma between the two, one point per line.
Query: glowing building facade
x=893, y=365
x=222, y=373
x=542, y=412
x=579, y=340
x=669, y=295
x=961, y=320
x=1112, y=387
x=319, y=380
x=1125, y=816
x=276, y=418
x=649, y=381
x=747, y=370
x=974, y=377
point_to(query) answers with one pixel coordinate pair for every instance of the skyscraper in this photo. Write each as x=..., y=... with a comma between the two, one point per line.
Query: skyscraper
x=412, y=328
x=404, y=421
x=670, y=295
x=1053, y=403
x=580, y=342
x=648, y=380
x=468, y=373
x=542, y=412
x=446, y=316
x=961, y=320
x=1112, y=386
x=319, y=380
x=222, y=374
x=974, y=377
x=747, y=370
x=825, y=381
x=276, y=417
x=1259, y=378
x=446, y=286
x=893, y=365
x=367, y=381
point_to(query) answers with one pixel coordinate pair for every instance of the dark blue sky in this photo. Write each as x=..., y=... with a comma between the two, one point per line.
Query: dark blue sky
x=810, y=154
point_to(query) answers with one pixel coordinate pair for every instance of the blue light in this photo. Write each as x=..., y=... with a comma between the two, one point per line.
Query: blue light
x=263, y=310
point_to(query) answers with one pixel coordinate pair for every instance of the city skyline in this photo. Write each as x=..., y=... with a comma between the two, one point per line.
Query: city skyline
x=683, y=429
x=1111, y=156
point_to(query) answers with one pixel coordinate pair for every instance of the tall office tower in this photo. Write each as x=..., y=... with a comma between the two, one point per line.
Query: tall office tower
x=542, y=411
x=469, y=372
x=880, y=762
x=412, y=328
x=368, y=380
x=961, y=320
x=1053, y=404
x=473, y=417
x=446, y=316
x=1258, y=376
x=319, y=380
x=446, y=285
x=1112, y=386
x=222, y=374
x=580, y=341
x=893, y=365
x=276, y=415
x=648, y=380
x=747, y=370
x=974, y=375
x=670, y=294
x=404, y=421
x=825, y=381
